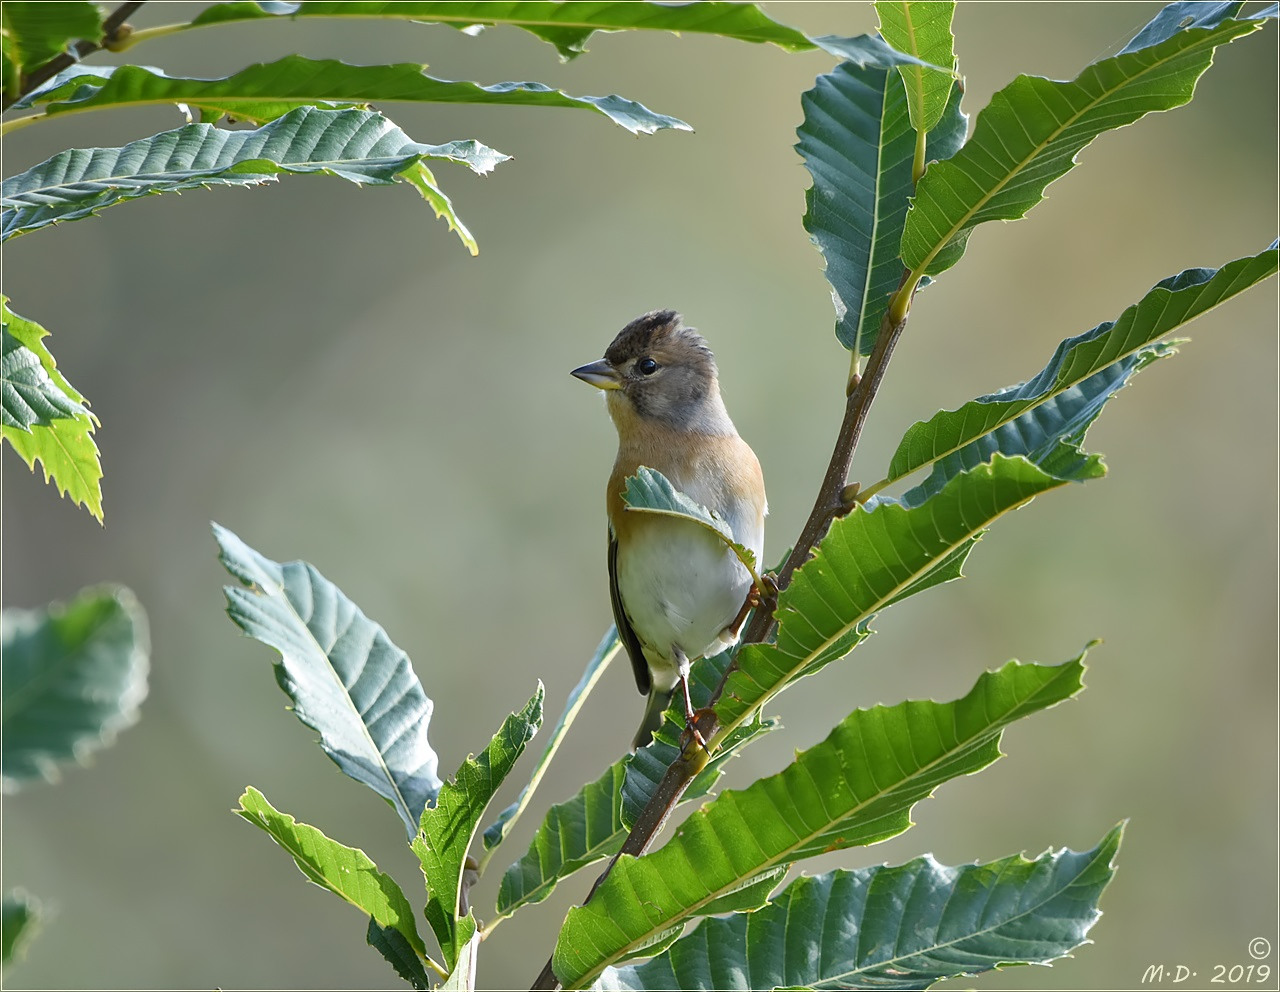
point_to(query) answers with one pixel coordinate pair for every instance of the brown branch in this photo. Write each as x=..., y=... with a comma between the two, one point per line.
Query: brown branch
x=110, y=35
x=832, y=502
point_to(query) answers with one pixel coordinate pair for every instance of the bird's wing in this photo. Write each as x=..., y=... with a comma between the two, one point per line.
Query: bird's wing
x=626, y=633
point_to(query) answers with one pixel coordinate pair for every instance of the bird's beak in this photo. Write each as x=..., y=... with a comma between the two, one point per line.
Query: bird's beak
x=600, y=374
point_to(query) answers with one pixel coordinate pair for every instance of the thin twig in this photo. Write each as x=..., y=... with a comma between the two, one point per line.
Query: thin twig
x=110, y=34
x=831, y=503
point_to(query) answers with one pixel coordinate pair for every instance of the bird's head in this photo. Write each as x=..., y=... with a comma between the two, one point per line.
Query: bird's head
x=659, y=371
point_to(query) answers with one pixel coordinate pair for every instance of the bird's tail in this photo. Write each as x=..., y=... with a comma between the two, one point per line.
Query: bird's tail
x=657, y=705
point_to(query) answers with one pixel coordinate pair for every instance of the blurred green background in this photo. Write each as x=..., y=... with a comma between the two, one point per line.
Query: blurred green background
x=326, y=371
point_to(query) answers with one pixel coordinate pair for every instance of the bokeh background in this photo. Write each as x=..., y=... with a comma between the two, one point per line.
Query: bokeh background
x=326, y=371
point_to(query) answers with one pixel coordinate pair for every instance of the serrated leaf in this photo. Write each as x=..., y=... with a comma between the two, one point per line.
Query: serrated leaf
x=265, y=91
x=347, y=872
x=857, y=143
x=922, y=30
x=882, y=927
x=39, y=32
x=74, y=675
x=592, y=825
x=869, y=558
x=21, y=917
x=347, y=680
x=573, y=834
x=1032, y=130
x=60, y=439
x=360, y=146
x=649, y=763
x=1046, y=417
x=567, y=26
x=854, y=788
x=445, y=833
x=31, y=335
x=28, y=395
x=397, y=952
x=605, y=652
x=66, y=451
x=649, y=491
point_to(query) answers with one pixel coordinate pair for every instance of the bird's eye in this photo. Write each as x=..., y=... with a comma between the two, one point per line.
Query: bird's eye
x=647, y=366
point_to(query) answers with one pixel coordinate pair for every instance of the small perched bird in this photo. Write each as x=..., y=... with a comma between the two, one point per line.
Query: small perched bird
x=677, y=591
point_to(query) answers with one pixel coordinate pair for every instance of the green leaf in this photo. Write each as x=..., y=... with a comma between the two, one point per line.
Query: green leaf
x=856, y=787
x=28, y=395
x=902, y=927
x=44, y=417
x=584, y=829
x=565, y=25
x=446, y=830
x=398, y=952
x=346, y=679
x=592, y=825
x=35, y=33
x=857, y=142
x=649, y=763
x=605, y=652
x=869, y=559
x=10, y=74
x=1030, y=133
x=66, y=451
x=74, y=675
x=1046, y=417
x=263, y=92
x=345, y=871
x=463, y=976
x=360, y=146
x=922, y=30
x=649, y=491
x=22, y=916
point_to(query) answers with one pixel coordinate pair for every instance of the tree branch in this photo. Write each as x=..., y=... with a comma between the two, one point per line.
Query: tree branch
x=110, y=35
x=833, y=501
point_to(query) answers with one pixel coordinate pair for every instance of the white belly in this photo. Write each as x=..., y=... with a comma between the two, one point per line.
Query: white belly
x=682, y=588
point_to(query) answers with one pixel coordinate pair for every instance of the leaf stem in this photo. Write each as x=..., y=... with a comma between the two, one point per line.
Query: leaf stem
x=111, y=36
x=830, y=503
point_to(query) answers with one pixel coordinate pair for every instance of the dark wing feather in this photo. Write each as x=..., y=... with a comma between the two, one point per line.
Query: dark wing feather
x=625, y=632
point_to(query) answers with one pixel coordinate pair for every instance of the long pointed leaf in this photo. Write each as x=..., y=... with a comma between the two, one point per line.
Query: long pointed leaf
x=592, y=825
x=923, y=30
x=74, y=675
x=868, y=559
x=360, y=146
x=345, y=871
x=346, y=679
x=856, y=787
x=565, y=25
x=446, y=830
x=1030, y=133
x=882, y=927
x=263, y=92
x=1047, y=416
x=857, y=142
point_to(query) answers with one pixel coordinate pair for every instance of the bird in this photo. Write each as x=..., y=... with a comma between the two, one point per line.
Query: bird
x=677, y=591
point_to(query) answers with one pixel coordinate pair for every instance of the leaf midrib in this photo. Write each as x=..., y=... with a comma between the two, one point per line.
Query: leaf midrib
x=975, y=740
x=942, y=242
